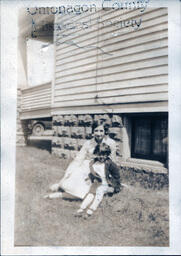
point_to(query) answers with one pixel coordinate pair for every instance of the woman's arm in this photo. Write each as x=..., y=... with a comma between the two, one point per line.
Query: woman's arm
x=81, y=155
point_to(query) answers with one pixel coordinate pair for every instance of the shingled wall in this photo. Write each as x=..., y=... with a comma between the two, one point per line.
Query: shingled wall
x=71, y=131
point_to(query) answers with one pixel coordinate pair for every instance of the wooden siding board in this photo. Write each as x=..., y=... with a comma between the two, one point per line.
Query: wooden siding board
x=78, y=76
x=36, y=88
x=37, y=113
x=46, y=101
x=64, y=64
x=88, y=68
x=31, y=97
x=83, y=81
x=36, y=106
x=37, y=103
x=33, y=93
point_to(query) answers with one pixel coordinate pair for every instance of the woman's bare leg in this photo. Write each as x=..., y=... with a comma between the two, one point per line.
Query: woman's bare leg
x=62, y=195
x=54, y=195
x=69, y=196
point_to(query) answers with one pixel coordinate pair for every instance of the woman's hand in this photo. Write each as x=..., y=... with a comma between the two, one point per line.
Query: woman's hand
x=90, y=156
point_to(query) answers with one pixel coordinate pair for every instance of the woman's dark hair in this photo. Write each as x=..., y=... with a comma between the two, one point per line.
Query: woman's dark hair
x=99, y=123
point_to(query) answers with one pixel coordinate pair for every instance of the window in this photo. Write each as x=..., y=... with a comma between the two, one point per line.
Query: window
x=148, y=137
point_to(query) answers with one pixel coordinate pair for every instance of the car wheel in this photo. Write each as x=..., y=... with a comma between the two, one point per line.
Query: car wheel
x=38, y=129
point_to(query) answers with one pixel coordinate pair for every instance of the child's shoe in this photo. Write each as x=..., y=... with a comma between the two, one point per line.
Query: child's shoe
x=79, y=213
x=88, y=214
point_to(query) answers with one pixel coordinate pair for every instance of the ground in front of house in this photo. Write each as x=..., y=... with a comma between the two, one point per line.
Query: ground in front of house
x=134, y=217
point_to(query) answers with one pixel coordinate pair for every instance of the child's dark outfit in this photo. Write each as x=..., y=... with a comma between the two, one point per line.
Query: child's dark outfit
x=105, y=179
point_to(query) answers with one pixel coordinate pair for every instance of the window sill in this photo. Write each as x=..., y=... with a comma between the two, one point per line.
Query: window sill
x=144, y=165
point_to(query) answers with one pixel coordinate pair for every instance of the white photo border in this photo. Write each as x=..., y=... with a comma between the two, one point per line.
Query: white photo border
x=9, y=37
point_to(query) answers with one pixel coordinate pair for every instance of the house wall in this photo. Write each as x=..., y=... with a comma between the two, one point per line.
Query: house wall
x=106, y=68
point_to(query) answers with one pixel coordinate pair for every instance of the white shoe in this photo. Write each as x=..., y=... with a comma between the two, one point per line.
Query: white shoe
x=54, y=187
x=46, y=196
x=79, y=213
x=54, y=195
x=89, y=212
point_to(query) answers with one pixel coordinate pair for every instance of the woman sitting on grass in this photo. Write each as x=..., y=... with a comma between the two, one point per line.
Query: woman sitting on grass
x=75, y=183
x=105, y=178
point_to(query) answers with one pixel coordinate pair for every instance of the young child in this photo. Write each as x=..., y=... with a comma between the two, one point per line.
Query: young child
x=105, y=178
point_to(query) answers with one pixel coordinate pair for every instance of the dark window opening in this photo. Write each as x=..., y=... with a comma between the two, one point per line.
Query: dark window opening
x=148, y=137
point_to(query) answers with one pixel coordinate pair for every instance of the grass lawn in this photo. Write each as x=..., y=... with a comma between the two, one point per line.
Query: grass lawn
x=134, y=217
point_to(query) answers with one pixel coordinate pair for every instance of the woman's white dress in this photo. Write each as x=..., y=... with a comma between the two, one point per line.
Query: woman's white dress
x=75, y=180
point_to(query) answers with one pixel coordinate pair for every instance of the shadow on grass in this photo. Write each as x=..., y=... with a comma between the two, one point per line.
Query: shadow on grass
x=41, y=144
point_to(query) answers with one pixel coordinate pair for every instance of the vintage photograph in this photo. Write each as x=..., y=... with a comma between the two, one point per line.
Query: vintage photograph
x=92, y=163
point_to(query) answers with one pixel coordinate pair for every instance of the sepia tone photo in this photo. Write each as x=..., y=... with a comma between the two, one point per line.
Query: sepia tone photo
x=92, y=126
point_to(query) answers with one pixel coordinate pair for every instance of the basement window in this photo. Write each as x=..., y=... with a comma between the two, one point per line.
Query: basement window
x=150, y=137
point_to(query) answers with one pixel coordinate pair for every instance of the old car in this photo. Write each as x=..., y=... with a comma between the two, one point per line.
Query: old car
x=39, y=126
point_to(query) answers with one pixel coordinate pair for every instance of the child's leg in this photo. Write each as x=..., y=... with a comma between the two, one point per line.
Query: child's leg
x=101, y=190
x=98, y=197
x=87, y=200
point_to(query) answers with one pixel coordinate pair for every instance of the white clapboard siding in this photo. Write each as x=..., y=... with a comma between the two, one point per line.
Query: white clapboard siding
x=156, y=80
x=118, y=92
x=154, y=55
x=146, y=27
x=35, y=94
x=38, y=97
x=127, y=74
x=154, y=46
x=148, y=20
x=150, y=97
x=106, y=64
